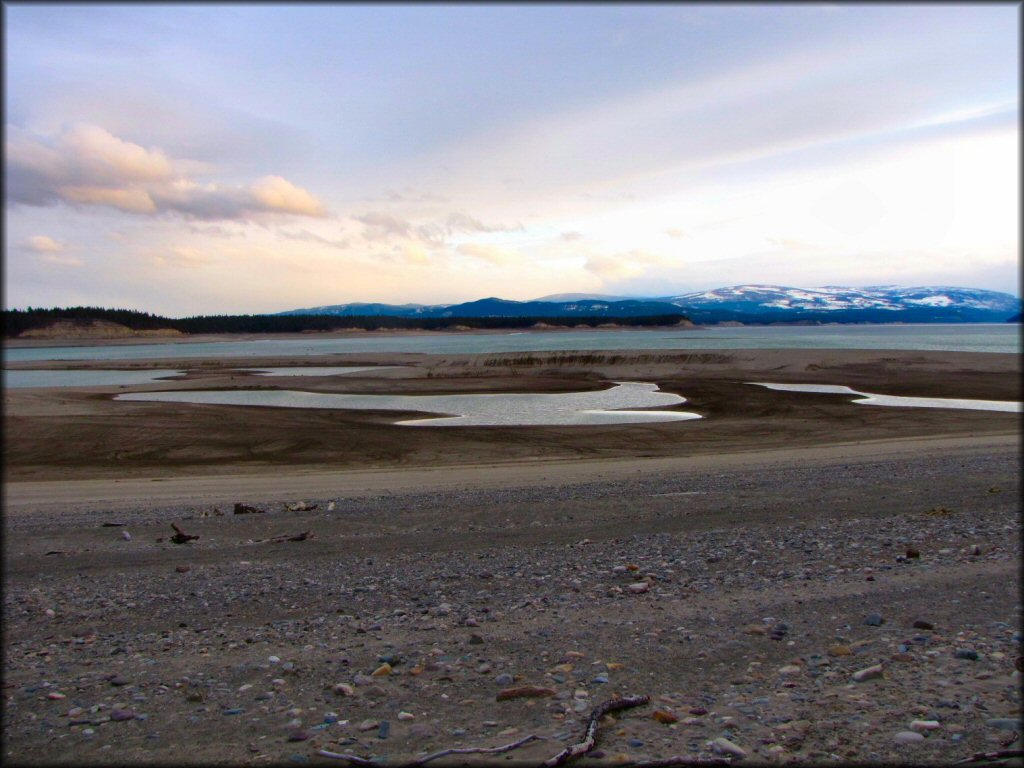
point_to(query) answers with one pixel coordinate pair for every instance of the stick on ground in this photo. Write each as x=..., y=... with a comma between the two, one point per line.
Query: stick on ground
x=590, y=736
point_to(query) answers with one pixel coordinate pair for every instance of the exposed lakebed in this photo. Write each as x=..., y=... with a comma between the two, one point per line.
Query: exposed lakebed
x=870, y=398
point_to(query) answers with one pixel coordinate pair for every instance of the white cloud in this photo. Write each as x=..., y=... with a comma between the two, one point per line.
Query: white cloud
x=44, y=244
x=492, y=254
x=86, y=165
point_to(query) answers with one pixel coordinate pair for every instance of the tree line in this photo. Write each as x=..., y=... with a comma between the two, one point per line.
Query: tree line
x=18, y=321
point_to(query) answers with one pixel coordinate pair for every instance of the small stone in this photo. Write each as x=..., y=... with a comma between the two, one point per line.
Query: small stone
x=755, y=629
x=923, y=625
x=664, y=716
x=1005, y=723
x=908, y=737
x=639, y=587
x=183, y=568
x=723, y=746
x=790, y=669
x=476, y=640
x=504, y=679
x=868, y=673
x=384, y=730
x=119, y=681
x=120, y=715
x=874, y=620
x=698, y=711
x=55, y=696
x=635, y=743
x=925, y=725
x=912, y=553
x=299, y=736
x=382, y=671
x=274, y=659
x=840, y=650
x=126, y=536
x=404, y=716
x=343, y=689
x=966, y=653
x=600, y=679
x=233, y=711
x=368, y=725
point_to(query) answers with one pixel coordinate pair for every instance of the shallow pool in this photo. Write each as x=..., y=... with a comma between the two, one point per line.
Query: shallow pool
x=869, y=398
x=610, y=406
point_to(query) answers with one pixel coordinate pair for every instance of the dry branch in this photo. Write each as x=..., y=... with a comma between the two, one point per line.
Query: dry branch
x=985, y=757
x=180, y=537
x=589, y=738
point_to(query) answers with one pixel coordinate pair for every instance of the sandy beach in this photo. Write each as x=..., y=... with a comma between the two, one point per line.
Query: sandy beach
x=807, y=579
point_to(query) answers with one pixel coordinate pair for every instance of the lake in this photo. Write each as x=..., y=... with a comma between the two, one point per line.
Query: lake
x=981, y=337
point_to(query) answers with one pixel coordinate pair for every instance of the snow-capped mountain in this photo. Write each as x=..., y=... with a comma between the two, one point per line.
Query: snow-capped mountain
x=880, y=303
x=739, y=303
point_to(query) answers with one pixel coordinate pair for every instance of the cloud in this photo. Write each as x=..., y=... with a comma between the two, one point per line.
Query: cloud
x=181, y=256
x=43, y=244
x=380, y=226
x=677, y=233
x=622, y=266
x=383, y=226
x=490, y=253
x=86, y=165
x=571, y=236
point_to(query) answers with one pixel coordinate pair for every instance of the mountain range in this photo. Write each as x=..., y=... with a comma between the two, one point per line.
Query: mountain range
x=748, y=304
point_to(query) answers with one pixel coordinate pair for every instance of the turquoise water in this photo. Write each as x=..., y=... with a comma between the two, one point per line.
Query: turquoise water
x=966, y=338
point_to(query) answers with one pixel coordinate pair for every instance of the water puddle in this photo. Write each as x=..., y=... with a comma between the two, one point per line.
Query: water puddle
x=869, y=398
x=610, y=406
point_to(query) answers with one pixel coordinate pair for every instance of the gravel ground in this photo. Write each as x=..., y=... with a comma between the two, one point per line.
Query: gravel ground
x=822, y=612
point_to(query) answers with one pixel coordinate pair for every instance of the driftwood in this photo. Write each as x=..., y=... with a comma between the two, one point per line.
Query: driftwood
x=180, y=537
x=590, y=735
x=287, y=537
x=436, y=755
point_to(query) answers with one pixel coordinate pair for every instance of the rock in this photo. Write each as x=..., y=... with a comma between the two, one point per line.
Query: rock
x=120, y=715
x=925, y=725
x=600, y=679
x=840, y=650
x=384, y=730
x=908, y=737
x=790, y=669
x=698, y=711
x=404, y=716
x=476, y=640
x=1005, y=724
x=779, y=631
x=664, y=716
x=923, y=625
x=638, y=587
x=965, y=653
x=755, y=629
x=382, y=671
x=183, y=568
x=274, y=659
x=232, y=711
x=524, y=692
x=868, y=673
x=299, y=735
x=343, y=689
x=119, y=681
x=912, y=553
x=126, y=536
x=368, y=725
x=55, y=696
x=874, y=620
x=722, y=746
x=362, y=680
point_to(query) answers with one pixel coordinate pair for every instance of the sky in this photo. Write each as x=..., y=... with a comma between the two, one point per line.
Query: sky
x=207, y=159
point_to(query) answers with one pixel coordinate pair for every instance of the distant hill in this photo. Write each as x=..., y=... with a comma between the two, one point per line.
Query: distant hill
x=495, y=307
x=875, y=304
x=748, y=304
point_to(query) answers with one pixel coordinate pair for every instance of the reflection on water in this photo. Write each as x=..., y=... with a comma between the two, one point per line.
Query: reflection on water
x=868, y=398
x=21, y=379
x=610, y=406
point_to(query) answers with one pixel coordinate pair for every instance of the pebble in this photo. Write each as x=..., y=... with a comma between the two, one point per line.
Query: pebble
x=1004, y=723
x=274, y=659
x=923, y=625
x=925, y=725
x=233, y=711
x=381, y=671
x=384, y=730
x=55, y=696
x=120, y=715
x=664, y=716
x=966, y=653
x=299, y=735
x=723, y=746
x=126, y=536
x=635, y=743
x=403, y=716
x=868, y=673
x=504, y=679
x=600, y=679
x=476, y=640
x=343, y=689
x=840, y=650
x=524, y=692
x=639, y=587
x=790, y=669
x=368, y=725
x=908, y=737
x=874, y=620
